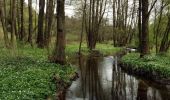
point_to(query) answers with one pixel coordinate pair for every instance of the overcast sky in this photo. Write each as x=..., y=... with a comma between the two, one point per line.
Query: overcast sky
x=69, y=9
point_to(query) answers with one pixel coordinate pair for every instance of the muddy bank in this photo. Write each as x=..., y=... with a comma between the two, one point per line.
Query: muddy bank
x=61, y=87
x=152, y=75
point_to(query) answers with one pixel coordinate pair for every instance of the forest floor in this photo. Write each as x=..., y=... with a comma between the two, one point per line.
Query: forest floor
x=154, y=67
x=26, y=73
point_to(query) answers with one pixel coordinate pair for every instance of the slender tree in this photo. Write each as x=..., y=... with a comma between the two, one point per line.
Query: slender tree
x=22, y=34
x=30, y=29
x=140, y=24
x=13, y=21
x=48, y=22
x=82, y=27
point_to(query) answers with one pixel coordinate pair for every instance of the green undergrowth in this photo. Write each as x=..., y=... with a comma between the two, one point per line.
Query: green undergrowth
x=151, y=63
x=26, y=74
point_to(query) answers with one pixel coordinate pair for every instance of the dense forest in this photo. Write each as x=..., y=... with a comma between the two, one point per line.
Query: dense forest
x=51, y=47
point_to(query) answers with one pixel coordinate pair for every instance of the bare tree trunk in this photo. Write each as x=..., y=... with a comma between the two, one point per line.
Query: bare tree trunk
x=49, y=19
x=40, y=36
x=18, y=20
x=13, y=21
x=36, y=17
x=59, y=53
x=22, y=20
x=30, y=29
x=140, y=24
x=145, y=30
x=82, y=27
x=114, y=22
x=2, y=18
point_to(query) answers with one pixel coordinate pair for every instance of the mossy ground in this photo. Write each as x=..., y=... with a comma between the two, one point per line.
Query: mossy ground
x=156, y=64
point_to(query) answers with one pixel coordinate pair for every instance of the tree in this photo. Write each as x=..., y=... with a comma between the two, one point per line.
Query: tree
x=123, y=22
x=40, y=36
x=144, y=37
x=22, y=34
x=82, y=25
x=48, y=22
x=93, y=20
x=30, y=29
x=59, y=52
x=13, y=21
x=2, y=18
x=165, y=43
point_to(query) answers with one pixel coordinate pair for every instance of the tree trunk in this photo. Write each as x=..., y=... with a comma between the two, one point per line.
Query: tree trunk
x=30, y=29
x=140, y=24
x=59, y=53
x=82, y=27
x=22, y=21
x=49, y=19
x=96, y=11
x=13, y=21
x=40, y=36
x=2, y=18
x=145, y=29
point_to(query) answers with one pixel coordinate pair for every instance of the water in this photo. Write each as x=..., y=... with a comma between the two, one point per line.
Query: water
x=103, y=79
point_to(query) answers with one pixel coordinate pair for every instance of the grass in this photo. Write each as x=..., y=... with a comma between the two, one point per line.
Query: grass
x=158, y=64
x=105, y=49
x=28, y=75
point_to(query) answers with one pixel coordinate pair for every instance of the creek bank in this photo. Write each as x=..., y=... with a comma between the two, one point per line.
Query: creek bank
x=62, y=86
x=152, y=68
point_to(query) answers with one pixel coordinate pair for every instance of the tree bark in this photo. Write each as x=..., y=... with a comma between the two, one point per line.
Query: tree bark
x=40, y=36
x=13, y=21
x=59, y=53
x=22, y=34
x=145, y=29
x=2, y=18
x=49, y=19
x=30, y=29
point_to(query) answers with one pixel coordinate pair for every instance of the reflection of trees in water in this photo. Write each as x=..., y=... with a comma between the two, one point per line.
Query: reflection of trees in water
x=142, y=91
x=91, y=82
x=145, y=92
x=123, y=86
x=153, y=91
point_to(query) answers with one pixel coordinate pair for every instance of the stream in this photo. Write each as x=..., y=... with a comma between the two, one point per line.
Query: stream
x=100, y=78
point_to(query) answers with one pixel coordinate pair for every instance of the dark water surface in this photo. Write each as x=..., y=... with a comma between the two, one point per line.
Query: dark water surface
x=102, y=79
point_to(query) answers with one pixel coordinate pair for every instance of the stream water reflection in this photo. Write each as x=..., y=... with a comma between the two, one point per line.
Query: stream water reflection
x=103, y=79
